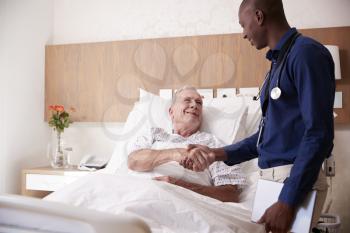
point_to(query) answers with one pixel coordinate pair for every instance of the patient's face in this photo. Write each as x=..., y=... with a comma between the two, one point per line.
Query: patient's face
x=187, y=110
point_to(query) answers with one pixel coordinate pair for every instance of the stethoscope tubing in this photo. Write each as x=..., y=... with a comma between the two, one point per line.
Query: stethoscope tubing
x=276, y=92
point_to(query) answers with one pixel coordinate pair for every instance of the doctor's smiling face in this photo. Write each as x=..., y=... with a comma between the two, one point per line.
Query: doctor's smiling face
x=186, y=111
x=252, y=21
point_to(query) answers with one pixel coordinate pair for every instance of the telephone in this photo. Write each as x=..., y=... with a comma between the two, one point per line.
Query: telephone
x=92, y=162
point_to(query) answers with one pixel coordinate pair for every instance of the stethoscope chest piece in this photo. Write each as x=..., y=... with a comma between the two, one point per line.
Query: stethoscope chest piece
x=275, y=93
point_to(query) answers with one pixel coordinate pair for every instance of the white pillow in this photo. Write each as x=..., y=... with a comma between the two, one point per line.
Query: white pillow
x=155, y=109
x=225, y=118
x=254, y=114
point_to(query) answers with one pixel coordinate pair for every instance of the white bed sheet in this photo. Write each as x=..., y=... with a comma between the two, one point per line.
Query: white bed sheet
x=164, y=207
x=28, y=215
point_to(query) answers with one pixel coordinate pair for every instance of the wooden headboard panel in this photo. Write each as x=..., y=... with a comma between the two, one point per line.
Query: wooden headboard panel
x=101, y=80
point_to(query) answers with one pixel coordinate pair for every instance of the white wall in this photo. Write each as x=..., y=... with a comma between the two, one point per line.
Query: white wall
x=90, y=138
x=92, y=20
x=25, y=29
x=104, y=20
x=338, y=193
x=2, y=96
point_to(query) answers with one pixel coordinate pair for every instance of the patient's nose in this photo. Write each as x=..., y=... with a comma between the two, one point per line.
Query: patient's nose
x=193, y=104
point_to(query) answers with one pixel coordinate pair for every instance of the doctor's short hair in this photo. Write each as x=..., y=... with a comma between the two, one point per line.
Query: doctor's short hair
x=178, y=91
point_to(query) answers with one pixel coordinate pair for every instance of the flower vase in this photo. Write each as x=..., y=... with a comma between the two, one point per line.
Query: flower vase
x=59, y=158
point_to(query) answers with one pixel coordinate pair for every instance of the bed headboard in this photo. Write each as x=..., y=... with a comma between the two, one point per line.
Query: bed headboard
x=101, y=80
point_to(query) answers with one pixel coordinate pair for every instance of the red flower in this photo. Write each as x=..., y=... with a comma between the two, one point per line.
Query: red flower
x=60, y=117
x=52, y=108
x=59, y=108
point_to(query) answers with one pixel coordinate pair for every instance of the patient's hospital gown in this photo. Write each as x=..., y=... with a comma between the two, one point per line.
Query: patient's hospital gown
x=218, y=173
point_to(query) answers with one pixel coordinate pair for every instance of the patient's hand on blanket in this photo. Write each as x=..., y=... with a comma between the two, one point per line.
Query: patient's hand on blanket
x=199, y=157
x=147, y=159
x=224, y=193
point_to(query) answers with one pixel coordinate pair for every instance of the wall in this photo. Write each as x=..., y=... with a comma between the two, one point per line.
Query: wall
x=79, y=20
x=2, y=96
x=26, y=26
x=92, y=20
x=338, y=193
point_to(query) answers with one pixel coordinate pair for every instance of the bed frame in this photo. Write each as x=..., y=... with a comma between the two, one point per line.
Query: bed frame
x=29, y=215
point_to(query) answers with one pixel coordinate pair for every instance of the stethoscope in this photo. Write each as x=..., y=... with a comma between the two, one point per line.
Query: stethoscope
x=276, y=92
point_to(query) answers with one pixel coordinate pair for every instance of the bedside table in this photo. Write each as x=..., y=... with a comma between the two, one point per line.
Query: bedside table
x=39, y=182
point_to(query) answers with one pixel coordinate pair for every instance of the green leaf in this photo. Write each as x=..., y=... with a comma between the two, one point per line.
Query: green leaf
x=64, y=115
x=59, y=121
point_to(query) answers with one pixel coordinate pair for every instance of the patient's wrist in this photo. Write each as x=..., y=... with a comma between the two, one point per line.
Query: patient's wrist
x=178, y=154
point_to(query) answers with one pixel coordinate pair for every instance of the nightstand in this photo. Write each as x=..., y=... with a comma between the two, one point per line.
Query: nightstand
x=39, y=182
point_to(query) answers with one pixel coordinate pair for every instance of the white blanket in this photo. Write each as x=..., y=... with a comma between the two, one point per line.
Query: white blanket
x=165, y=207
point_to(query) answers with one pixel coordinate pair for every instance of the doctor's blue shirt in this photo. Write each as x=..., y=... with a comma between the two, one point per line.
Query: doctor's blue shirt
x=299, y=125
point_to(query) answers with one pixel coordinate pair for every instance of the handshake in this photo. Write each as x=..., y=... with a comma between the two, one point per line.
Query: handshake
x=197, y=157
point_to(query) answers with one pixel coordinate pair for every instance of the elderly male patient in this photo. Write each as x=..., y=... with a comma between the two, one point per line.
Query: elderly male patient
x=160, y=147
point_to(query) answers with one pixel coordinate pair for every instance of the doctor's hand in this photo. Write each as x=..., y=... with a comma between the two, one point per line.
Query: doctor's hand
x=278, y=218
x=199, y=157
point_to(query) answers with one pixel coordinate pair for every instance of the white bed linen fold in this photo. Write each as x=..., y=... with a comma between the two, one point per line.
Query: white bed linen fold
x=165, y=207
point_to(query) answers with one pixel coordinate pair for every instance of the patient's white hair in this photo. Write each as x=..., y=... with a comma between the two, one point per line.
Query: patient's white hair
x=178, y=91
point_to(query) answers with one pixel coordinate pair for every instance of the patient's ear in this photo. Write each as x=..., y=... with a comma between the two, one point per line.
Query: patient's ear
x=171, y=113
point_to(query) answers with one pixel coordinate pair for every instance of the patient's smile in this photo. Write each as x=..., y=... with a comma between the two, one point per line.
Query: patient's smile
x=191, y=113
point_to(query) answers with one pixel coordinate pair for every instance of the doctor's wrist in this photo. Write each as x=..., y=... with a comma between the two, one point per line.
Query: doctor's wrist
x=220, y=154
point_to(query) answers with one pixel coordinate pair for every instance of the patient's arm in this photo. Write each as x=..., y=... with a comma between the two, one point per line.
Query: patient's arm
x=225, y=193
x=147, y=159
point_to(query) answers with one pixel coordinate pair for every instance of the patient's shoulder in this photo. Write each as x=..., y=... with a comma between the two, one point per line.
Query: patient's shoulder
x=157, y=130
x=159, y=134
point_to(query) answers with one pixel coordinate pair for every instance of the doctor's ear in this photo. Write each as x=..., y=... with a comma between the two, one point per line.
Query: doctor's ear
x=260, y=17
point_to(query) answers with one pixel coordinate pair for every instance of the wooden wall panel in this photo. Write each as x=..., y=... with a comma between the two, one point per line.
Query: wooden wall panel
x=101, y=80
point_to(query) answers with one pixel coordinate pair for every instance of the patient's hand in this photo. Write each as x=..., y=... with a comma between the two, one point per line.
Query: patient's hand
x=181, y=183
x=228, y=193
x=199, y=158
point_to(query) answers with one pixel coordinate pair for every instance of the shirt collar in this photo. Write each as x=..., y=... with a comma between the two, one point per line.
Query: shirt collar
x=192, y=135
x=272, y=54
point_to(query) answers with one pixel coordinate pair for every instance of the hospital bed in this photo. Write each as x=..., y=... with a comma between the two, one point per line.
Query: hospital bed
x=109, y=201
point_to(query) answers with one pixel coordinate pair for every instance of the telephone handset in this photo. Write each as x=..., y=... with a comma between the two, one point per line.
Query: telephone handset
x=89, y=162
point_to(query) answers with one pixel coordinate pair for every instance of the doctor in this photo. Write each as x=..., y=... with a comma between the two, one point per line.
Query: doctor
x=296, y=132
